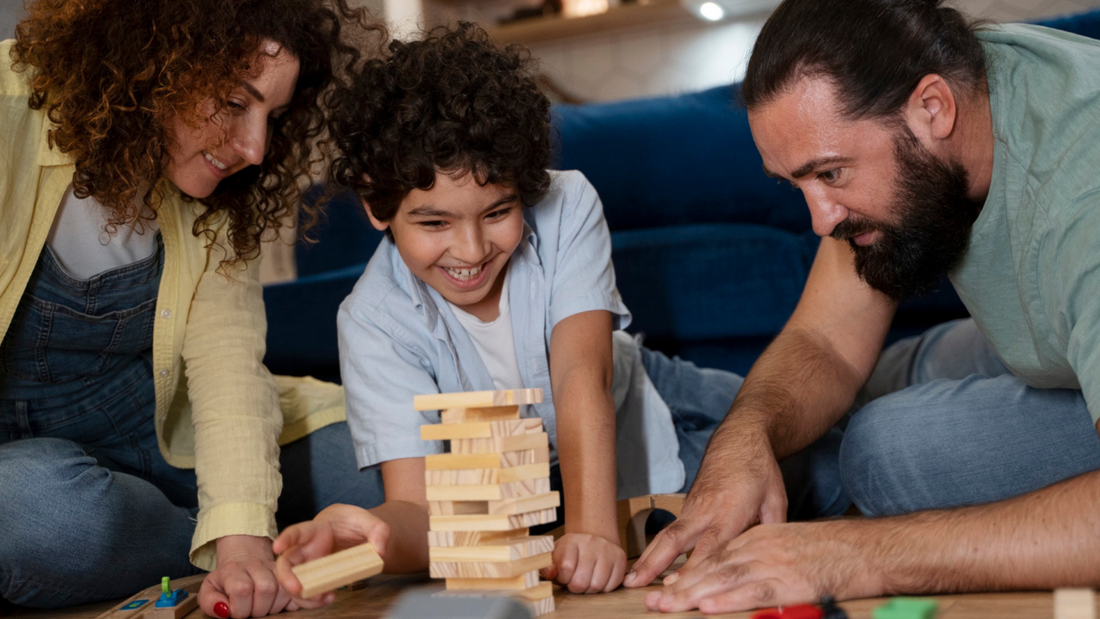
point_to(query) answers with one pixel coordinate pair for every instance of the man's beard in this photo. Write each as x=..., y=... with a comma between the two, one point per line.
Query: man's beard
x=912, y=256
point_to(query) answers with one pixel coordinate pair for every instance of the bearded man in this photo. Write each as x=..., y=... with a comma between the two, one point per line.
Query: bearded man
x=925, y=146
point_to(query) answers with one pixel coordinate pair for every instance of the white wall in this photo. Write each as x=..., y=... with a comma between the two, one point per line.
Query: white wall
x=659, y=61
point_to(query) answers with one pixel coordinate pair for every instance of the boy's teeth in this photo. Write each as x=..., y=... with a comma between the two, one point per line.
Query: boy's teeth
x=217, y=164
x=464, y=273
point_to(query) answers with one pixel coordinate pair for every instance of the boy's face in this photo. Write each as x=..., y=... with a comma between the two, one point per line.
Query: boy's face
x=457, y=237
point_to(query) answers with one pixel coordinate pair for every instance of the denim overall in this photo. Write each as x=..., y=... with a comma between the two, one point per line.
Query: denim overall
x=77, y=409
x=89, y=509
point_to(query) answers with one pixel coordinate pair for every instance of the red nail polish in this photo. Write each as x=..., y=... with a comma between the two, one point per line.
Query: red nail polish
x=221, y=609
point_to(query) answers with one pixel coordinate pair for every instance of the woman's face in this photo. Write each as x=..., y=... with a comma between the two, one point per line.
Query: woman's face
x=236, y=137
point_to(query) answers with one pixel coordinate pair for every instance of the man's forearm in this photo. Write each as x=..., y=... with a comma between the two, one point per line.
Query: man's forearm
x=1045, y=539
x=796, y=391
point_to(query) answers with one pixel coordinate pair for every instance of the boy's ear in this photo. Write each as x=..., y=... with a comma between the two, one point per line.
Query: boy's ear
x=379, y=225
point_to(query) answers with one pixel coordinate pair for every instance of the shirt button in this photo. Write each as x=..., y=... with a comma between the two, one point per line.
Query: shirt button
x=164, y=373
x=166, y=313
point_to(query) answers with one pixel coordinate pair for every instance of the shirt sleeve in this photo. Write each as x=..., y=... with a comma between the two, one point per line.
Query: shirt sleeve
x=234, y=407
x=1076, y=263
x=383, y=369
x=584, y=278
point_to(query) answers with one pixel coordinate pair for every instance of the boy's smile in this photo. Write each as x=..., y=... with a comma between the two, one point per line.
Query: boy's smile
x=458, y=237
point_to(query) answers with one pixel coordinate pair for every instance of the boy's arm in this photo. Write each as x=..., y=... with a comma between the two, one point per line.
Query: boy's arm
x=406, y=513
x=588, y=558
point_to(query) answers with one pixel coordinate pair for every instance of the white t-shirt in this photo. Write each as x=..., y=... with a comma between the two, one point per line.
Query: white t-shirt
x=82, y=245
x=494, y=341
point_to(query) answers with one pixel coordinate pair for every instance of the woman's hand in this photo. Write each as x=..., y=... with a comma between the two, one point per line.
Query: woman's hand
x=587, y=563
x=244, y=584
x=337, y=527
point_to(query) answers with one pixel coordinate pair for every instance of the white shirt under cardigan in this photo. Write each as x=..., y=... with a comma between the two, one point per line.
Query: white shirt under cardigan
x=399, y=338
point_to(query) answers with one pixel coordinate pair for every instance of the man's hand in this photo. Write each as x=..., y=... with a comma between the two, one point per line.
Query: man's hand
x=739, y=484
x=336, y=528
x=587, y=563
x=244, y=584
x=776, y=565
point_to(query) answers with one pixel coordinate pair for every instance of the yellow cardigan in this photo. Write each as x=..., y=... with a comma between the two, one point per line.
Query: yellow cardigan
x=228, y=417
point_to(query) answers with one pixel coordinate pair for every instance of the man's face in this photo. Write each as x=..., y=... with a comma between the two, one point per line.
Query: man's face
x=903, y=210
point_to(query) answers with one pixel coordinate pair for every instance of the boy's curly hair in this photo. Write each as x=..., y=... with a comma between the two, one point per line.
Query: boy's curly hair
x=452, y=102
x=112, y=74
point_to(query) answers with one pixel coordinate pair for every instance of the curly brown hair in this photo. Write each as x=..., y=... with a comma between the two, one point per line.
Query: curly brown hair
x=111, y=74
x=452, y=102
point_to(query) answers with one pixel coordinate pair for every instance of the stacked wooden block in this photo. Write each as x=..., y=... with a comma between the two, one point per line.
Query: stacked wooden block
x=485, y=493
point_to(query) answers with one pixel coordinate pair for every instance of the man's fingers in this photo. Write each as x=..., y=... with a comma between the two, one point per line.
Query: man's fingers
x=686, y=595
x=774, y=509
x=756, y=595
x=677, y=538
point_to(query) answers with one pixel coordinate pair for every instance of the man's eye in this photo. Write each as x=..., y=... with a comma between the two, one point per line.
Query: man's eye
x=829, y=176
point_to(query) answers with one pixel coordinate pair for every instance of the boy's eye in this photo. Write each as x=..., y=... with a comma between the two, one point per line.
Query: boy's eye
x=431, y=224
x=499, y=213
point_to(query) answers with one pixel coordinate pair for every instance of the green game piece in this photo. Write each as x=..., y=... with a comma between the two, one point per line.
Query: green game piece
x=907, y=608
x=166, y=585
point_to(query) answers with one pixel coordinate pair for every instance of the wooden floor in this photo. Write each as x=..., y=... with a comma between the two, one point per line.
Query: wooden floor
x=373, y=602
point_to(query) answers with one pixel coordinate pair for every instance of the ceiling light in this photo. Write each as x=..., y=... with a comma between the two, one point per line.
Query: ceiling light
x=711, y=11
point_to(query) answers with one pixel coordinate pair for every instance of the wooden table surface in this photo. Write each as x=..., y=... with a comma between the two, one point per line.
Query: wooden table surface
x=375, y=600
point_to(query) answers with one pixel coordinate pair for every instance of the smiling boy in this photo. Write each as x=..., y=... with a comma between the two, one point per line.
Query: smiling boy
x=495, y=274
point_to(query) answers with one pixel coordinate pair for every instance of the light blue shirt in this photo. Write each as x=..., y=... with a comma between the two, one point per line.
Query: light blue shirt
x=399, y=338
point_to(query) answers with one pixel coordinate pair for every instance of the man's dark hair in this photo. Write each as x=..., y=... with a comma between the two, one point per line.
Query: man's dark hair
x=452, y=102
x=874, y=52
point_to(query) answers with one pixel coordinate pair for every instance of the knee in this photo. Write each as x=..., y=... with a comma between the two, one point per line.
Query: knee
x=879, y=456
x=36, y=489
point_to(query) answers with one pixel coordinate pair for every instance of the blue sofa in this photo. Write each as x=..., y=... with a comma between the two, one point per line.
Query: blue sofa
x=711, y=255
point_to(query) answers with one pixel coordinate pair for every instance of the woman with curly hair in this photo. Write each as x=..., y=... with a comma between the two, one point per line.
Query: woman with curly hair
x=146, y=149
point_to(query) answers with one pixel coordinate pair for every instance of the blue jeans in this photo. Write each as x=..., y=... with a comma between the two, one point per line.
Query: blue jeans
x=699, y=399
x=943, y=423
x=79, y=526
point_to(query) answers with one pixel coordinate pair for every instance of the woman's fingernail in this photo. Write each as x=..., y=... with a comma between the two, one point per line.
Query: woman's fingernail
x=221, y=609
x=629, y=580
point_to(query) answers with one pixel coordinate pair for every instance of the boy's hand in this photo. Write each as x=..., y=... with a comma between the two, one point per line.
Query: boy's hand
x=587, y=563
x=336, y=528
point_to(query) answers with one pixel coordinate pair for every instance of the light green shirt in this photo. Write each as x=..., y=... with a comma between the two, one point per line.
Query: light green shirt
x=1031, y=277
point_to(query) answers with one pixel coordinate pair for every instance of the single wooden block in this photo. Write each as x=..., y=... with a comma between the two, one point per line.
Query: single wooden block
x=467, y=415
x=492, y=522
x=476, y=399
x=503, y=569
x=452, y=461
x=543, y=606
x=500, y=444
x=338, y=569
x=513, y=550
x=524, y=581
x=481, y=477
x=441, y=539
x=488, y=492
x=538, y=591
x=1074, y=604
x=523, y=505
x=140, y=604
x=185, y=606
x=480, y=429
x=632, y=514
x=457, y=508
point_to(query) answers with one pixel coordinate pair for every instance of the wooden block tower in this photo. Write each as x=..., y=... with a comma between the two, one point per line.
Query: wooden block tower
x=485, y=493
